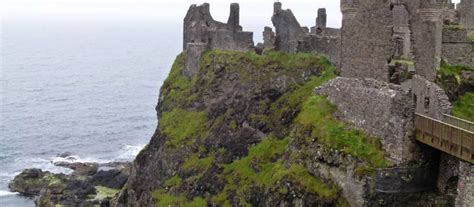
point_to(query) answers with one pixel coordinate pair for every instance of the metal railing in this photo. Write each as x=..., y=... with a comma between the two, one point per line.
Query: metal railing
x=446, y=137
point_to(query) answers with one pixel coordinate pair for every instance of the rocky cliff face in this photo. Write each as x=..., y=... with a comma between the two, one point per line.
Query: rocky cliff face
x=247, y=130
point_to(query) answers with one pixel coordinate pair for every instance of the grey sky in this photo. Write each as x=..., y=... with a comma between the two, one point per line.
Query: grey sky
x=254, y=14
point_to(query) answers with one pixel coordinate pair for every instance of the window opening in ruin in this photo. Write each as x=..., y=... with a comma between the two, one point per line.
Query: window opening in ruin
x=427, y=103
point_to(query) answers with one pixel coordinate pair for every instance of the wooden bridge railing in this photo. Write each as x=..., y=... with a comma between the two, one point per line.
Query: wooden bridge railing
x=446, y=137
x=461, y=123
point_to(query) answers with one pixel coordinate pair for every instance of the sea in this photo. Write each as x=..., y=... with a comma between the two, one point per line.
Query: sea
x=87, y=88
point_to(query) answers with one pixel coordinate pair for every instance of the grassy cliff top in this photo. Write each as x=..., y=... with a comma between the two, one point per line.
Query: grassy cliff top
x=464, y=107
x=247, y=125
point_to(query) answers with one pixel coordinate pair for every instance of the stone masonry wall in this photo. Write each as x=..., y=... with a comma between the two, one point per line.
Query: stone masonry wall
x=466, y=8
x=426, y=28
x=201, y=33
x=366, y=39
x=431, y=100
x=291, y=37
x=465, y=187
x=288, y=30
x=327, y=45
x=380, y=109
x=378, y=33
x=457, y=49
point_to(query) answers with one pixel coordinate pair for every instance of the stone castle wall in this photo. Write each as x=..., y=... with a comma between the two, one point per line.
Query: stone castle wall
x=366, y=46
x=291, y=37
x=466, y=15
x=201, y=33
x=457, y=49
x=380, y=109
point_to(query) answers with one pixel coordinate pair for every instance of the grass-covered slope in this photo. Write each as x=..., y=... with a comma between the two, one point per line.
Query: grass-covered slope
x=464, y=107
x=450, y=78
x=243, y=132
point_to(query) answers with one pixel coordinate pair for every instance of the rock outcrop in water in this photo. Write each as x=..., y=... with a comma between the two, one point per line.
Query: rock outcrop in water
x=85, y=186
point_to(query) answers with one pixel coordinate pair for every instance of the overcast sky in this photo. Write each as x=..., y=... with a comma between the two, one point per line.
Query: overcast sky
x=255, y=14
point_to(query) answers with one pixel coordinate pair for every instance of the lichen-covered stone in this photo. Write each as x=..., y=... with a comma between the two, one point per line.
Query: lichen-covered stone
x=381, y=109
x=431, y=100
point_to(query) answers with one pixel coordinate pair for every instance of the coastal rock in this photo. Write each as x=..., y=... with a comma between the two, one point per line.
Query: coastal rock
x=111, y=178
x=32, y=181
x=86, y=186
x=80, y=169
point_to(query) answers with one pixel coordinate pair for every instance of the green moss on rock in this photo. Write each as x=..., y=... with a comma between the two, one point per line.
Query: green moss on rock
x=194, y=163
x=167, y=200
x=105, y=192
x=180, y=125
x=464, y=107
x=317, y=117
x=450, y=78
x=281, y=104
x=173, y=181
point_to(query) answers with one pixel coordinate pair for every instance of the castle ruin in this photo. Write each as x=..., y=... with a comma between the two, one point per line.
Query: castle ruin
x=202, y=33
x=389, y=53
x=291, y=37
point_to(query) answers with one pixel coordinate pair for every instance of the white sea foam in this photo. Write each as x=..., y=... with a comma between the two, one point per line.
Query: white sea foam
x=129, y=152
x=6, y=193
x=76, y=158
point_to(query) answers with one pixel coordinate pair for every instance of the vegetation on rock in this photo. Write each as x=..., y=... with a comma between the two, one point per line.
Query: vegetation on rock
x=317, y=116
x=464, y=107
x=453, y=27
x=242, y=124
x=450, y=78
x=105, y=192
x=181, y=124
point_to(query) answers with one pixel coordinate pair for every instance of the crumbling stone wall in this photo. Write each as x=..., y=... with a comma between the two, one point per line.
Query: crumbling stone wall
x=466, y=15
x=456, y=178
x=291, y=37
x=201, y=32
x=427, y=32
x=366, y=39
x=288, y=30
x=327, y=45
x=457, y=48
x=431, y=100
x=376, y=34
x=465, y=187
x=380, y=109
x=268, y=38
x=321, y=20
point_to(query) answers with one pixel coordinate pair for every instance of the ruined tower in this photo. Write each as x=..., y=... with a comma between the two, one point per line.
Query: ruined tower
x=321, y=19
x=288, y=30
x=201, y=33
x=366, y=39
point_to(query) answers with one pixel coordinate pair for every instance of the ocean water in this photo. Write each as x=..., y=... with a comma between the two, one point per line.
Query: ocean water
x=84, y=87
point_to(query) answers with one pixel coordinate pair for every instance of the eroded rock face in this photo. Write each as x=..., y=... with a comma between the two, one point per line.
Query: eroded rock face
x=235, y=91
x=381, y=109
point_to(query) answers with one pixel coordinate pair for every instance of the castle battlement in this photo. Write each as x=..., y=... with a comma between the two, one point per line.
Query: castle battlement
x=201, y=33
